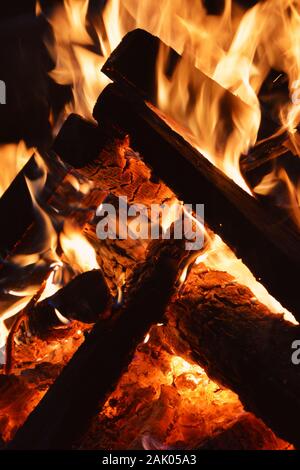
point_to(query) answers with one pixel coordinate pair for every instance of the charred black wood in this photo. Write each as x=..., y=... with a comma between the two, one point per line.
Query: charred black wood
x=16, y=209
x=95, y=368
x=79, y=141
x=266, y=243
x=133, y=64
x=85, y=298
x=242, y=346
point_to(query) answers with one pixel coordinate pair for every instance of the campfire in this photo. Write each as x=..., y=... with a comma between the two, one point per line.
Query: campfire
x=111, y=337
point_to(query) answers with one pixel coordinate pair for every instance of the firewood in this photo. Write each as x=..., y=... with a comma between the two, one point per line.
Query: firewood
x=118, y=171
x=241, y=345
x=97, y=365
x=246, y=433
x=17, y=200
x=77, y=143
x=133, y=64
x=85, y=298
x=268, y=245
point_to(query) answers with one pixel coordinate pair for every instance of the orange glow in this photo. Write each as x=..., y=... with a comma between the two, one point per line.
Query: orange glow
x=12, y=159
x=236, y=49
x=76, y=64
x=218, y=256
x=272, y=181
x=77, y=250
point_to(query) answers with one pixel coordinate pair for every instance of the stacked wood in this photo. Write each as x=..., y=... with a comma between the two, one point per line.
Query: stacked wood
x=86, y=298
x=227, y=206
x=37, y=364
x=118, y=171
x=267, y=244
x=241, y=345
x=164, y=402
x=96, y=367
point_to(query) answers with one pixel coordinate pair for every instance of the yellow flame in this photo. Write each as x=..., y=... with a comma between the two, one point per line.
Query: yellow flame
x=12, y=159
x=236, y=49
x=76, y=64
x=219, y=256
x=78, y=252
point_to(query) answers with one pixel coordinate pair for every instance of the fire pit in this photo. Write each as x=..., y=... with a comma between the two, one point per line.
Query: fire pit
x=149, y=273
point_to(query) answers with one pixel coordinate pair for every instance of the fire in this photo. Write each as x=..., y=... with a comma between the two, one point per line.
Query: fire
x=13, y=158
x=77, y=250
x=73, y=51
x=62, y=254
x=180, y=366
x=218, y=256
x=236, y=49
x=273, y=183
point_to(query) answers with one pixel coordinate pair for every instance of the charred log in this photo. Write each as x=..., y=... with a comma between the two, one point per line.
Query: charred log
x=97, y=365
x=241, y=345
x=86, y=298
x=268, y=245
x=247, y=433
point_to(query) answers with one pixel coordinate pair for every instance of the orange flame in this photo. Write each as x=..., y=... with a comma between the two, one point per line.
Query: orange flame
x=219, y=256
x=236, y=49
x=13, y=158
x=75, y=252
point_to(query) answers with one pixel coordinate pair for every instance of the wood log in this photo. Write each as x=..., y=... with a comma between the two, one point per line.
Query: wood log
x=86, y=298
x=96, y=366
x=268, y=157
x=246, y=433
x=77, y=143
x=267, y=245
x=241, y=345
x=119, y=171
x=133, y=64
x=17, y=200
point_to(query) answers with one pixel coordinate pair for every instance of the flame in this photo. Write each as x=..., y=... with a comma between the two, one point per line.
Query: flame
x=285, y=192
x=78, y=56
x=180, y=366
x=62, y=254
x=219, y=256
x=224, y=52
x=13, y=158
x=236, y=49
x=77, y=250
x=62, y=319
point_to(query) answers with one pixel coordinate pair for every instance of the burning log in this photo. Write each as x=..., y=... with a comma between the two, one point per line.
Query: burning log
x=85, y=298
x=241, y=345
x=246, y=433
x=266, y=244
x=96, y=366
x=17, y=200
x=78, y=142
x=116, y=170
x=268, y=158
x=142, y=48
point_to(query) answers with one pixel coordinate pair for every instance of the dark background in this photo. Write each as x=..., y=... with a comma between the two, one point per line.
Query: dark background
x=24, y=66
